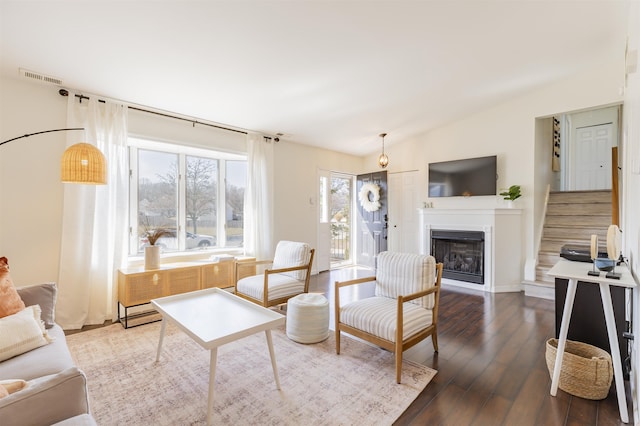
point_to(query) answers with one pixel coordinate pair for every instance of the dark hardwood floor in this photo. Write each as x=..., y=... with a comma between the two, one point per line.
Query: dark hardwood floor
x=491, y=363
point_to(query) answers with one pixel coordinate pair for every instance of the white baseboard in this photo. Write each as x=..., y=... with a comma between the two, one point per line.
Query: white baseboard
x=461, y=284
x=534, y=289
x=446, y=282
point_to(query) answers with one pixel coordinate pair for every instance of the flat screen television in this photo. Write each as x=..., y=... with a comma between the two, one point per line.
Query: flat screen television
x=463, y=178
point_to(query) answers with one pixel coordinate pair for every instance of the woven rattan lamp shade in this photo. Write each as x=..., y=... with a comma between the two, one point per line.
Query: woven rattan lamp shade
x=84, y=163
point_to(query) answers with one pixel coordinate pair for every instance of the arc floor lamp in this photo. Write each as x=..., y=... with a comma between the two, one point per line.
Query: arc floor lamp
x=81, y=162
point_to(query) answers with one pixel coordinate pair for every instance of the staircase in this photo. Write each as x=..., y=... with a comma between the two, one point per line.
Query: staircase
x=572, y=217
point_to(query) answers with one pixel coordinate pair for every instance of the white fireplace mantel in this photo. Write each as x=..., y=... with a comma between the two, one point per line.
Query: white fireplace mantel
x=502, y=243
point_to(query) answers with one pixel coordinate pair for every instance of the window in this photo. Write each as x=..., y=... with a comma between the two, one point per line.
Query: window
x=324, y=199
x=178, y=188
x=340, y=217
x=236, y=181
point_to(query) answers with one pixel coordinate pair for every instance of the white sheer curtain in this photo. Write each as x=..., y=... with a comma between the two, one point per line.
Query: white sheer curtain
x=94, y=233
x=258, y=198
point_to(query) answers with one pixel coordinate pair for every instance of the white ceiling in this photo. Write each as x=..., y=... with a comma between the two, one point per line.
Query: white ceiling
x=329, y=73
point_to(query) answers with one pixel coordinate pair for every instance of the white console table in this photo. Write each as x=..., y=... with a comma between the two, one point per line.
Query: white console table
x=577, y=271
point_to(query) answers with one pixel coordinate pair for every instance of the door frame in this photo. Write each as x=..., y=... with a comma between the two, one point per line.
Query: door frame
x=575, y=121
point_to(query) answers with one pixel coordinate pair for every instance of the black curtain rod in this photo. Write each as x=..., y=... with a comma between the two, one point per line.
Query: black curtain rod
x=64, y=92
x=39, y=133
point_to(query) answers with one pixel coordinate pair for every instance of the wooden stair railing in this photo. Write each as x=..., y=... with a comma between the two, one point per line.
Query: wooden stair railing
x=615, y=201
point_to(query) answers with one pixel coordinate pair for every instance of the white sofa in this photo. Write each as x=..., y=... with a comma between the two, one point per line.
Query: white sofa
x=57, y=389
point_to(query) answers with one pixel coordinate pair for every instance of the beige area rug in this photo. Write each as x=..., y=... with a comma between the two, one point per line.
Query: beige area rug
x=126, y=386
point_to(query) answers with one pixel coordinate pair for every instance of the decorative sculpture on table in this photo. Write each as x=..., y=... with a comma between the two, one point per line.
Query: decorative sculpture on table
x=613, y=250
x=594, y=256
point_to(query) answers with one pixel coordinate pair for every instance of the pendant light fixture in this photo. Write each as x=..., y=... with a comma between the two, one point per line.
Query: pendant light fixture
x=383, y=160
x=83, y=163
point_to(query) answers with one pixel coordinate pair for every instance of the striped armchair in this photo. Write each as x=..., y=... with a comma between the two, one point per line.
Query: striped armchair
x=288, y=276
x=404, y=309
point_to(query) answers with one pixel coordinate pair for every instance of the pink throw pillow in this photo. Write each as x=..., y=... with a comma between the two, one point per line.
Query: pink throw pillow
x=10, y=301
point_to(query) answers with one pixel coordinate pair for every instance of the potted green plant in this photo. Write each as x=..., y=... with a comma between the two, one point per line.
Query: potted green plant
x=511, y=194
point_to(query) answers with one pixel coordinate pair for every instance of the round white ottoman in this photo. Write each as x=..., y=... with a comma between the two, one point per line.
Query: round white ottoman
x=308, y=318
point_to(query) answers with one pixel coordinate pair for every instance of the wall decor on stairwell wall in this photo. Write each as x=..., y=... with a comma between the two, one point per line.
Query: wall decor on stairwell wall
x=555, y=160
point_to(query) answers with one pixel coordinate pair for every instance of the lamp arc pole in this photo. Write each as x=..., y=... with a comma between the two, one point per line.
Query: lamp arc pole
x=39, y=133
x=81, y=163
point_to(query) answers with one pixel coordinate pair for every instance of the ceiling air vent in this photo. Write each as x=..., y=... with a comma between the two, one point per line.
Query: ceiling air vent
x=40, y=77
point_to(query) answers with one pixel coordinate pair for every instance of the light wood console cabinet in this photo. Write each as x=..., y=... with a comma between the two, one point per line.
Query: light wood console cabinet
x=221, y=274
x=137, y=286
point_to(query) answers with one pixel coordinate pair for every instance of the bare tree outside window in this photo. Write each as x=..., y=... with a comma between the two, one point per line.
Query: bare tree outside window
x=236, y=182
x=202, y=189
x=340, y=219
x=192, y=208
x=157, y=189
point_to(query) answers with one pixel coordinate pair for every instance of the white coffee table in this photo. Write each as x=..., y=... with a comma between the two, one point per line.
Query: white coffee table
x=213, y=317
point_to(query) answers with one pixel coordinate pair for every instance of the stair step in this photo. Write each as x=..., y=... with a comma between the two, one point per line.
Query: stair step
x=542, y=276
x=548, y=259
x=586, y=209
x=574, y=233
x=545, y=284
x=577, y=197
x=572, y=217
x=583, y=221
x=539, y=289
x=554, y=245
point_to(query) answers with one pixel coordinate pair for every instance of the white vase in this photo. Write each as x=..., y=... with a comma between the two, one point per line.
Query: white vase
x=152, y=257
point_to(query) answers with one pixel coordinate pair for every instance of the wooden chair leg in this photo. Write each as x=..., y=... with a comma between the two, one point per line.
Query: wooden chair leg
x=398, y=362
x=337, y=341
x=434, y=340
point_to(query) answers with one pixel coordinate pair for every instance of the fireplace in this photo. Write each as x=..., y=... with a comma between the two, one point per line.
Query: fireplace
x=461, y=253
x=503, y=244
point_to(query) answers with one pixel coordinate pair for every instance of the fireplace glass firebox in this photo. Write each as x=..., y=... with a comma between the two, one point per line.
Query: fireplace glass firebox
x=461, y=253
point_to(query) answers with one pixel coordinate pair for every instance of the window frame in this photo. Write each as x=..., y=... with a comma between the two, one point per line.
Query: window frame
x=136, y=143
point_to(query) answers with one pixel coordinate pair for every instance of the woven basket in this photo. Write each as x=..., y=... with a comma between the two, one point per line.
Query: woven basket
x=586, y=370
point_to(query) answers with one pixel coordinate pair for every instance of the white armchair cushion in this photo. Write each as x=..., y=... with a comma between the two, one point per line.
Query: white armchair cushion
x=290, y=254
x=405, y=273
x=280, y=285
x=377, y=316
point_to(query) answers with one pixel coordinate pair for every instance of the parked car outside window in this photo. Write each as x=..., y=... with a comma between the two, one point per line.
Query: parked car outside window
x=192, y=241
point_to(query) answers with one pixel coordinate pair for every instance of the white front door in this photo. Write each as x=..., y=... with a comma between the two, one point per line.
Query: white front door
x=592, y=159
x=372, y=224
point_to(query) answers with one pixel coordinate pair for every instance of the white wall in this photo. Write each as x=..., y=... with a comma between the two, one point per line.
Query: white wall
x=630, y=223
x=30, y=187
x=508, y=131
x=543, y=177
x=175, y=131
x=31, y=211
x=296, y=182
x=631, y=148
x=32, y=194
